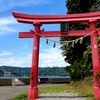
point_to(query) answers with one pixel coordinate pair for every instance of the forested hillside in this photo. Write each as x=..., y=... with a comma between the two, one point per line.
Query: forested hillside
x=54, y=71
x=1, y=72
x=46, y=71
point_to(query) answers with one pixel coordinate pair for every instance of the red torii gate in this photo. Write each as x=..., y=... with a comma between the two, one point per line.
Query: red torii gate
x=37, y=20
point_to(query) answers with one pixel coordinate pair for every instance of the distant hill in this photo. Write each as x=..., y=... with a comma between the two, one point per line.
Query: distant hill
x=17, y=71
x=54, y=71
x=45, y=71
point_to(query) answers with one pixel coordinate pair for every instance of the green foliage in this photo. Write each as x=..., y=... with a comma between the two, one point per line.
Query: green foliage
x=1, y=72
x=96, y=6
x=79, y=57
x=16, y=71
x=54, y=71
x=79, y=6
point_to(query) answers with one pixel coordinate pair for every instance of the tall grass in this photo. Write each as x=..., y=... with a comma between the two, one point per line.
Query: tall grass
x=83, y=87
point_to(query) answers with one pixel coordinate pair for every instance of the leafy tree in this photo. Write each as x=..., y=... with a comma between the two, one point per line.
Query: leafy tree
x=96, y=6
x=79, y=57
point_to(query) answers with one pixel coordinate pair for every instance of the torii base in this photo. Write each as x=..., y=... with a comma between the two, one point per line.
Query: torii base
x=97, y=92
x=32, y=93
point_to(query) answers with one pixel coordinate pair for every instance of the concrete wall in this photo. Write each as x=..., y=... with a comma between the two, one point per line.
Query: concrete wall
x=58, y=80
x=6, y=82
x=55, y=80
x=26, y=81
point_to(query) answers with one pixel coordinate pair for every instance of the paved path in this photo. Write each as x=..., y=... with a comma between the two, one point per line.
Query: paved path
x=7, y=93
x=61, y=96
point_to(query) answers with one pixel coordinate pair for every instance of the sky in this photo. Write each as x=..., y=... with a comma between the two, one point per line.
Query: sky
x=15, y=51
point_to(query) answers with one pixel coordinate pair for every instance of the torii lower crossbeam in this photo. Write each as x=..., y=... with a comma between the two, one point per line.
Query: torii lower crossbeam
x=57, y=33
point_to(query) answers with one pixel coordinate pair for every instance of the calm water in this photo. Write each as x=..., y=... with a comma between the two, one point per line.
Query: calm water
x=5, y=77
x=54, y=77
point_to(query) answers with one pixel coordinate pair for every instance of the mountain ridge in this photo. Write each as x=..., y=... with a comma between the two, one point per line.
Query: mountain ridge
x=43, y=71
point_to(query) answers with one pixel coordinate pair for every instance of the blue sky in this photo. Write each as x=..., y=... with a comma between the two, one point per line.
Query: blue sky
x=16, y=51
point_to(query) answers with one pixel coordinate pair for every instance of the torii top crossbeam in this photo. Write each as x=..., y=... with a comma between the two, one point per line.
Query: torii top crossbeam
x=54, y=19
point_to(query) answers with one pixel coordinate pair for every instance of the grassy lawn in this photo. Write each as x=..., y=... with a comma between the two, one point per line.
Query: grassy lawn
x=84, y=88
x=55, y=89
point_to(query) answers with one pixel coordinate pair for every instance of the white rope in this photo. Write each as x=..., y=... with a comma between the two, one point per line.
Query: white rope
x=75, y=40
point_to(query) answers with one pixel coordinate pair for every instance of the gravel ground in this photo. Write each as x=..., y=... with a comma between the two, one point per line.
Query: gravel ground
x=61, y=96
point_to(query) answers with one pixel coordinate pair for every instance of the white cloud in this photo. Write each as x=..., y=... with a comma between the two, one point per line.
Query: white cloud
x=9, y=25
x=48, y=58
x=52, y=57
x=5, y=23
x=8, y=4
x=15, y=61
x=25, y=45
x=7, y=20
x=5, y=53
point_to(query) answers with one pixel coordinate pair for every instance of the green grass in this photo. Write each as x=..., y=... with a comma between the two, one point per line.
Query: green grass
x=83, y=88
x=55, y=89
x=22, y=96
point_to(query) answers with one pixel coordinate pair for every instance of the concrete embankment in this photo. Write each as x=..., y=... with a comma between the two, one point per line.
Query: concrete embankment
x=26, y=81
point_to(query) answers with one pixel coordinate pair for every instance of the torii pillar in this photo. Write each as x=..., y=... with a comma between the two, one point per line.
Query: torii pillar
x=95, y=57
x=33, y=88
